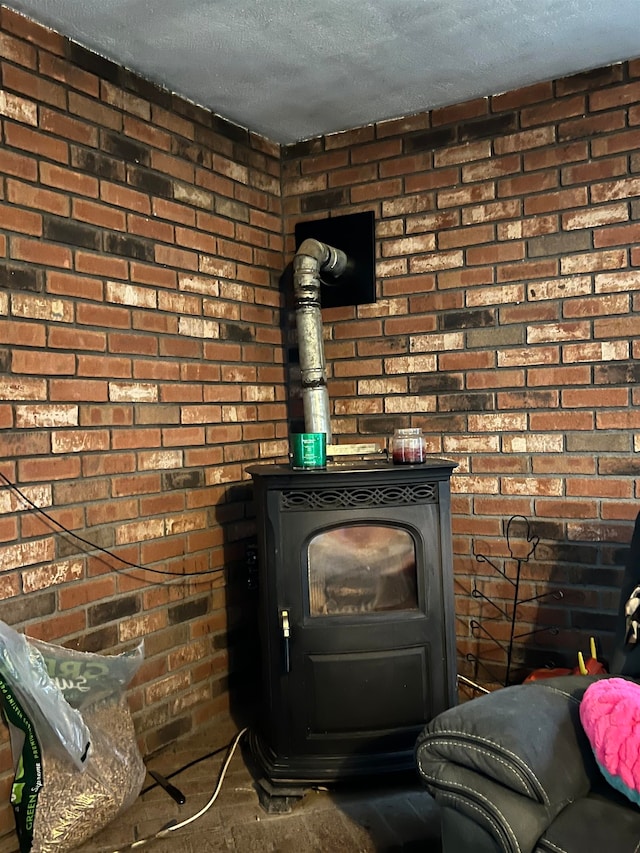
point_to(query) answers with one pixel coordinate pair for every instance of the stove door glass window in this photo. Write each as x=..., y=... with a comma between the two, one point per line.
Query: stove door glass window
x=362, y=568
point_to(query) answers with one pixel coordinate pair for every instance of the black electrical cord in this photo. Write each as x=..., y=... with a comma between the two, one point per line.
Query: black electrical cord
x=94, y=547
x=186, y=767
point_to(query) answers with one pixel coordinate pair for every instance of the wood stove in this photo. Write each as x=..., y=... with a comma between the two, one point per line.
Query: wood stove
x=356, y=616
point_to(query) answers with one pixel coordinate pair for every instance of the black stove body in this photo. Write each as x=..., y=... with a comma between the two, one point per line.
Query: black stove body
x=356, y=616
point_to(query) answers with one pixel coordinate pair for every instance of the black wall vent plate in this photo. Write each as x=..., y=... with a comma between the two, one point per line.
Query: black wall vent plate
x=354, y=233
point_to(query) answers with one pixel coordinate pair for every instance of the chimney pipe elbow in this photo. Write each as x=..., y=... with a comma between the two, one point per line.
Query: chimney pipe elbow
x=327, y=258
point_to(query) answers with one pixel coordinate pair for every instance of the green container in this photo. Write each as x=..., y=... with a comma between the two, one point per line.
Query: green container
x=309, y=450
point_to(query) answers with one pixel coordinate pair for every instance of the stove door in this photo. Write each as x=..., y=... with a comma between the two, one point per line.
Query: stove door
x=366, y=646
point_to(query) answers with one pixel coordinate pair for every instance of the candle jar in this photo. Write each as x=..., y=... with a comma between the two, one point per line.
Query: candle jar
x=408, y=447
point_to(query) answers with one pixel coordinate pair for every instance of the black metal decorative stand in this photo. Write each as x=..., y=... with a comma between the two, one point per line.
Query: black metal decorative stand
x=520, y=556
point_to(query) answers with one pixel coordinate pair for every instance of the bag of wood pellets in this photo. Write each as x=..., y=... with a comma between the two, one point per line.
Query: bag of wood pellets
x=76, y=758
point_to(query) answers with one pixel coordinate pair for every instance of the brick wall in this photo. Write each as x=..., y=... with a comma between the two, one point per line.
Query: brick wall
x=507, y=327
x=140, y=344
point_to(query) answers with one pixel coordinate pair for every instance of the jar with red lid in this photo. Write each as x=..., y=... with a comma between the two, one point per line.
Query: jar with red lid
x=408, y=447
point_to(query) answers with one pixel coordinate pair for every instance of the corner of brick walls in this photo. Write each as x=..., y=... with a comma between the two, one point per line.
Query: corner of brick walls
x=141, y=250
x=507, y=327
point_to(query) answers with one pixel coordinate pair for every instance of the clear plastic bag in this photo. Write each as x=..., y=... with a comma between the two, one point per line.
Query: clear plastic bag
x=77, y=762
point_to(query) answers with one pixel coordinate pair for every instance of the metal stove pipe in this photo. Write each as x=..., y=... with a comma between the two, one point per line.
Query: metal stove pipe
x=312, y=258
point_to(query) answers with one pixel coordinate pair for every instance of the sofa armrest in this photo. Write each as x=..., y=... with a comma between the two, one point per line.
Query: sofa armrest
x=511, y=760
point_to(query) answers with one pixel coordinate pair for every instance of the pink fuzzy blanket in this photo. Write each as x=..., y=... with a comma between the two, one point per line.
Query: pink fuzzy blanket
x=610, y=716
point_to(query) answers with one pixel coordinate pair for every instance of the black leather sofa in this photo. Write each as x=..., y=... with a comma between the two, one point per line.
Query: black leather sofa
x=513, y=771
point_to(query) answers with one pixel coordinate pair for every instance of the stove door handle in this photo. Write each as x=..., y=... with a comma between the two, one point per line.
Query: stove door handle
x=286, y=634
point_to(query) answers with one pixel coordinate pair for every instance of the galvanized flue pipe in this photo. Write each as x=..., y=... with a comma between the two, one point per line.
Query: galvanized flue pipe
x=313, y=258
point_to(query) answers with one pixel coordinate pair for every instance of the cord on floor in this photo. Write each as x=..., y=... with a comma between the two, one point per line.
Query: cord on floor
x=173, y=826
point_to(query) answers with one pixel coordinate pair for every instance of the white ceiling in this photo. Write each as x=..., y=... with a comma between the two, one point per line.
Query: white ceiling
x=295, y=69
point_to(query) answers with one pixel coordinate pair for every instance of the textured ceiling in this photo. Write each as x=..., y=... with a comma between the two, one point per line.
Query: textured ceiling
x=295, y=69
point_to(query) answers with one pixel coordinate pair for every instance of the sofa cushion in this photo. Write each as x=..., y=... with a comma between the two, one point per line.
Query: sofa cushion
x=593, y=823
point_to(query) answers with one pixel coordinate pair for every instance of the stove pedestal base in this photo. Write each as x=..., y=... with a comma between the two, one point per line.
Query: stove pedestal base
x=278, y=799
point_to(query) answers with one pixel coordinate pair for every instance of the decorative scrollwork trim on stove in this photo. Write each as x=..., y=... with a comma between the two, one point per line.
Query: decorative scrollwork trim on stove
x=305, y=499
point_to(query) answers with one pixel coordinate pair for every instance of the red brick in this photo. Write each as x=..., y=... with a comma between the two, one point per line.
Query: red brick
x=166, y=255
x=23, y=221
x=33, y=86
x=408, y=245
x=591, y=126
x=559, y=376
x=612, y=190
x=615, y=96
x=55, y=364
x=564, y=463
x=594, y=171
x=552, y=111
x=124, y=197
x=76, y=339
x=148, y=274
x=600, y=488
x=561, y=508
x=103, y=315
x=44, y=200
x=377, y=190
x=495, y=379
x=560, y=420
x=497, y=254
x=51, y=468
x=492, y=211
x=58, y=628
x=527, y=139
x=472, y=360
x=596, y=351
x=24, y=334
x=616, y=327
x=14, y=49
x=100, y=265
x=526, y=184
x=79, y=390
x=533, y=269
x=522, y=97
x=617, y=303
x=595, y=216
x=595, y=397
x=561, y=200
x=28, y=139
x=618, y=420
x=101, y=366
x=431, y=179
x=18, y=165
x=68, y=128
x=99, y=214
x=557, y=155
x=619, y=510
x=468, y=194
x=39, y=252
x=108, y=463
x=73, y=596
x=106, y=415
x=466, y=277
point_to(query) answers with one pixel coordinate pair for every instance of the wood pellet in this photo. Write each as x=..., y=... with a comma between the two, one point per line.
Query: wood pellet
x=73, y=805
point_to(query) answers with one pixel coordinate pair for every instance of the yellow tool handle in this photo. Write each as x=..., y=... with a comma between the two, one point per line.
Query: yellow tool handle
x=581, y=666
